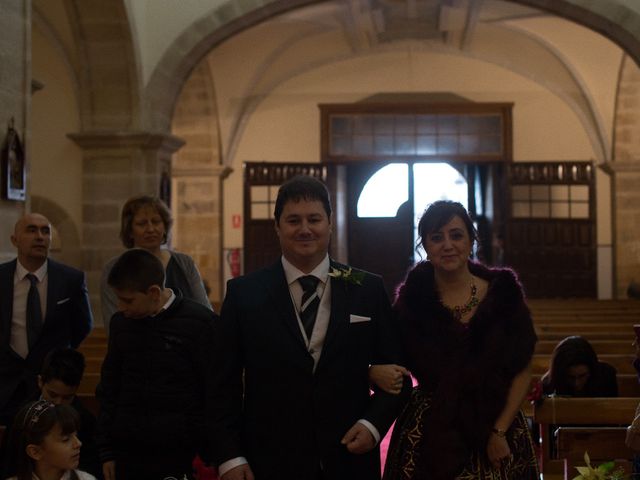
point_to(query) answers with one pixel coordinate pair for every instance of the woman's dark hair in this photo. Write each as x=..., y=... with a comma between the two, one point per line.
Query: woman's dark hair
x=570, y=352
x=32, y=424
x=438, y=214
x=133, y=206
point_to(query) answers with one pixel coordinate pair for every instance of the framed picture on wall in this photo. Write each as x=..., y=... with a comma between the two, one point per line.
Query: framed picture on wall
x=13, y=166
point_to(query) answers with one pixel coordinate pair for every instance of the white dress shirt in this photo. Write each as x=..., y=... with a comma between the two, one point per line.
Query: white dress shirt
x=21, y=285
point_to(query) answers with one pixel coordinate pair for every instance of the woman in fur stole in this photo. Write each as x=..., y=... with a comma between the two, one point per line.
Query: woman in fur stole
x=469, y=339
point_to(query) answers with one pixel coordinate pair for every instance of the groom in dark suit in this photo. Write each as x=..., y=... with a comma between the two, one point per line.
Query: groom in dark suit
x=43, y=305
x=294, y=344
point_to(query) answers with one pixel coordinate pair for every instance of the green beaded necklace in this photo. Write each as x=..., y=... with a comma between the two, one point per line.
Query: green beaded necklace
x=460, y=310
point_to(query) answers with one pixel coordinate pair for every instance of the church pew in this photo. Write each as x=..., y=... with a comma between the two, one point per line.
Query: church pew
x=613, y=327
x=588, y=318
x=94, y=350
x=589, y=335
x=89, y=382
x=578, y=411
x=600, y=346
x=581, y=304
x=93, y=364
x=602, y=443
x=97, y=337
x=628, y=385
x=622, y=363
x=89, y=402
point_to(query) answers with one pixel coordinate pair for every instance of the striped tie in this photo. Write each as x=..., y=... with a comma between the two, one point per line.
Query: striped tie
x=310, y=302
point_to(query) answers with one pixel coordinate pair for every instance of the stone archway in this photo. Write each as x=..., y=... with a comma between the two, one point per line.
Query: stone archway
x=109, y=83
x=618, y=22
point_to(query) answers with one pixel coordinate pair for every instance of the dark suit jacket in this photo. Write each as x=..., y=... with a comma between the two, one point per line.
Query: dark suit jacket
x=67, y=322
x=291, y=419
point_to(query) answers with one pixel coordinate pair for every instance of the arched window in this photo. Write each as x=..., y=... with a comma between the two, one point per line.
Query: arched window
x=385, y=191
x=388, y=188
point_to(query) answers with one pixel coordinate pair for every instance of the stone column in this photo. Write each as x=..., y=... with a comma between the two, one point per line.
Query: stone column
x=626, y=235
x=197, y=203
x=625, y=170
x=116, y=166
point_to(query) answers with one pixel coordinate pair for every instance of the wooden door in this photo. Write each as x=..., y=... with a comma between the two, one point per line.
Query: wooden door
x=382, y=245
x=551, y=229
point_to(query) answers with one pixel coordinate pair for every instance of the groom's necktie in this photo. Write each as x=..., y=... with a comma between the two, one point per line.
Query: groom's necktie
x=34, y=311
x=310, y=302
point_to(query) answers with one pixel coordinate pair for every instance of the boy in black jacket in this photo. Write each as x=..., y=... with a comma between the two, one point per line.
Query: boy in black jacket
x=156, y=375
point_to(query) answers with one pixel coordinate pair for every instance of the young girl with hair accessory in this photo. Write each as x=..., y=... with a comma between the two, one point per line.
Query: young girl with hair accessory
x=44, y=443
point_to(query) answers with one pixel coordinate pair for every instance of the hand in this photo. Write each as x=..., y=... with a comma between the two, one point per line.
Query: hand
x=109, y=470
x=498, y=450
x=388, y=377
x=241, y=472
x=358, y=439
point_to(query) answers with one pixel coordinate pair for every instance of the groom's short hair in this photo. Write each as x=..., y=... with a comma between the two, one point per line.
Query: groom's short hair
x=302, y=187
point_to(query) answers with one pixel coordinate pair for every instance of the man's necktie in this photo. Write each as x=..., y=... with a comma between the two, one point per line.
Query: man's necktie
x=34, y=311
x=310, y=302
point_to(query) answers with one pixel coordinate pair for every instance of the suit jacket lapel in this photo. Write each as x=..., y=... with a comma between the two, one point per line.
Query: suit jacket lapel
x=6, y=286
x=279, y=291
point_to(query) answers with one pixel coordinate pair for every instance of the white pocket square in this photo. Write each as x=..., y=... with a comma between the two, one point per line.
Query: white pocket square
x=358, y=319
x=64, y=300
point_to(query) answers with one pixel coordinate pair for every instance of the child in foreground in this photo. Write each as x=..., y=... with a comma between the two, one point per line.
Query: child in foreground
x=45, y=444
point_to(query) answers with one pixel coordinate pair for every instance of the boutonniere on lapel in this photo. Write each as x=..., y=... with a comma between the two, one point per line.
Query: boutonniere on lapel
x=347, y=275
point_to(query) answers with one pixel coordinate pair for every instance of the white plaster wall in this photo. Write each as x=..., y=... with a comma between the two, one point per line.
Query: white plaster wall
x=56, y=171
x=589, y=56
x=157, y=24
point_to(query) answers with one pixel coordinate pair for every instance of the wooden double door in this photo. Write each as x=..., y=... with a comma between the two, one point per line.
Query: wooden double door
x=538, y=218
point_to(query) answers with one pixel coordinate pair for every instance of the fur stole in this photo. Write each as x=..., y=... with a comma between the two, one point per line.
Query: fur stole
x=467, y=371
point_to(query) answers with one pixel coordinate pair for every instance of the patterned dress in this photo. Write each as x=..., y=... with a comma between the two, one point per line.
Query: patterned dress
x=404, y=449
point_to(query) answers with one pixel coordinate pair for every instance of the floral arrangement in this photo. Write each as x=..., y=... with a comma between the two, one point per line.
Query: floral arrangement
x=347, y=275
x=604, y=471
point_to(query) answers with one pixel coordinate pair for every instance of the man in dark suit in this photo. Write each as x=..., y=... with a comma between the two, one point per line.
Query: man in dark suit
x=43, y=305
x=294, y=344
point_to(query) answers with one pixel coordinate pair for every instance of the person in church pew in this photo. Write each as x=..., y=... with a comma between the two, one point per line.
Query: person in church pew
x=146, y=223
x=576, y=371
x=469, y=340
x=58, y=383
